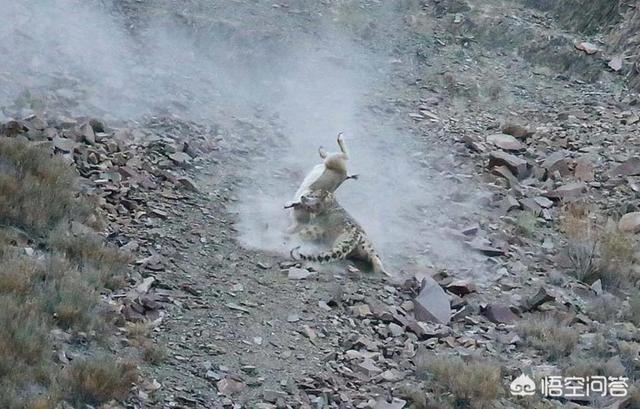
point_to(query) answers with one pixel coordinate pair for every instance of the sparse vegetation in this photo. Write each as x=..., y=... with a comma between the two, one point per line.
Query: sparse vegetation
x=153, y=353
x=476, y=383
x=54, y=284
x=634, y=308
x=98, y=380
x=595, y=252
x=526, y=224
x=582, y=240
x=36, y=190
x=548, y=336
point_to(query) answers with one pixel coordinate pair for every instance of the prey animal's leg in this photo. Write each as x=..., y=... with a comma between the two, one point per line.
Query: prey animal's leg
x=343, y=146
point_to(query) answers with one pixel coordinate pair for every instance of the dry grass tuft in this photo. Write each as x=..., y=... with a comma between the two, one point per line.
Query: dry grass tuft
x=526, y=224
x=153, y=353
x=634, y=309
x=98, y=380
x=595, y=252
x=475, y=384
x=582, y=240
x=106, y=265
x=36, y=189
x=548, y=336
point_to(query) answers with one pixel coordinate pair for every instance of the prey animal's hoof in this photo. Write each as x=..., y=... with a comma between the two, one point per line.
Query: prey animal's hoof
x=292, y=253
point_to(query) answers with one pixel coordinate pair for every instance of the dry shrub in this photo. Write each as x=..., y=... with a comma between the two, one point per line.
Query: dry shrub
x=630, y=357
x=18, y=273
x=36, y=189
x=24, y=347
x=106, y=266
x=58, y=288
x=476, y=383
x=98, y=380
x=582, y=240
x=526, y=224
x=616, y=258
x=549, y=336
x=605, y=308
x=153, y=353
x=585, y=366
x=595, y=252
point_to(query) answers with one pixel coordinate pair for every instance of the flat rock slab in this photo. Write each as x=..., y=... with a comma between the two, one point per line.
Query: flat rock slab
x=394, y=404
x=517, y=130
x=516, y=165
x=629, y=168
x=500, y=314
x=570, y=191
x=432, y=304
x=505, y=142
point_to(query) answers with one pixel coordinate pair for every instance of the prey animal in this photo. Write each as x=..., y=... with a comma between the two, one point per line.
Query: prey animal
x=333, y=226
x=327, y=176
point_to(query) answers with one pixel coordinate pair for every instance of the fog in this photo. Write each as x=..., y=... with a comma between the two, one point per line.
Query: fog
x=308, y=72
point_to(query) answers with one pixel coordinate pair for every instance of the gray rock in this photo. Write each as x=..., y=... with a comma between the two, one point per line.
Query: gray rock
x=630, y=223
x=630, y=167
x=506, y=142
x=432, y=304
x=518, y=166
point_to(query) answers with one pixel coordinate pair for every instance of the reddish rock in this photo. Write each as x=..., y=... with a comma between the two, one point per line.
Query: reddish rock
x=499, y=314
x=557, y=162
x=516, y=130
x=584, y=170
x=462, y=287
x=569, y=191
x=518, y=166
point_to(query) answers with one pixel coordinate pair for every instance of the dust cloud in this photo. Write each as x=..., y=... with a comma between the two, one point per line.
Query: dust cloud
x=212, y=58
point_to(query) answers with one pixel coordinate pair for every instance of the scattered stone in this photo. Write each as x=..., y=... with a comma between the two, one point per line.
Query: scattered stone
x=395, y=329
x=587, y=47
x=516, y=165
x=597, y=287
x=629, y=168
x=543, y=202
x=538, y=299
x=296, y=273
x=557, y=162
x=630, y=223
x=229, y=386
x=395, y=403
x=308, y=332
x=487, y=249
x=584, y=170
x=236, y=307
x=516, y=130
x=499, y=314
x=568, y=192
x=272, y=396
x=505, y=142
x=368, y=368
x=461, y=287
x=615, y=63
